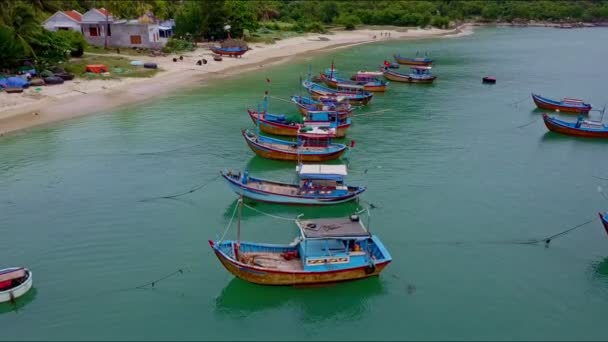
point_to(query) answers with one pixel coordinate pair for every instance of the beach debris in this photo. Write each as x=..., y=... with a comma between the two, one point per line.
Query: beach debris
x=174, y=59
x=150, y=65
x=181, y=58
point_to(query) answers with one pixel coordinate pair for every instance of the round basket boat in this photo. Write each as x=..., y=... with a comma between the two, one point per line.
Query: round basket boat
x=150, y=65
x=14, y=283
x=66, y=76
x=36, y=82
x=53, y=80
x=13, y=90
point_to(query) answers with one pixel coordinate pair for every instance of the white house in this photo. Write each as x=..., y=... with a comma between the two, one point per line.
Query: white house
x=95, y=23
x=63, y=20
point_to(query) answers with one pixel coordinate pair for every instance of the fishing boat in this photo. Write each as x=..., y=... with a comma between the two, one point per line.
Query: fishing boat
x=488, y=79
x=14, y=283
x=580, y=128
x=330, y=77
x=353, y=96
x=312, y=145
x=604, y=220
x=418, y=74
x=565, y=105
x=332, y=105
x=229, y=51
x=316, y=185
x=280, y=124
x=419, y=61
x=326, y=251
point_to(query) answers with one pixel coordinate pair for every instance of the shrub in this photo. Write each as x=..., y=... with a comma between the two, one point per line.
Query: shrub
x=178, y=45
x=316, y=27
x=440, y=22
x=349, y=21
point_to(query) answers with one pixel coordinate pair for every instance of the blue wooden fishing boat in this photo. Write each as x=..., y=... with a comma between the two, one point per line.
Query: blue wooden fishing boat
x=580, y=128
x=353, y=96
x=326, y=251
x=332, y=105
x=313, y=145
x=315, y=185
x=418, y=74
x=565, y=105
x=418, y=61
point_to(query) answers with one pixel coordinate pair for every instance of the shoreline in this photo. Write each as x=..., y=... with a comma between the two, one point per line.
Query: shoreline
x=84, y=97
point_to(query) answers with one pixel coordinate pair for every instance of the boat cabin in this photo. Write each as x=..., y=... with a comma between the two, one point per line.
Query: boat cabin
x=324, y=179
x=421, y=70
x=311, y=136
x=334, y=244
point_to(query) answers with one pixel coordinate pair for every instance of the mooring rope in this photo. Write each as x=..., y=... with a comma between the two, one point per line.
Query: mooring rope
x=196, y=188
x=518, y=102
x=527, y=124
x=372, y=113
x=270, y=215
x=229, y=223
x=167, y=151
x=153, y=283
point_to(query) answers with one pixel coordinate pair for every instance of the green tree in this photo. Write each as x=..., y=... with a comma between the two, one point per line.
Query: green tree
x=241, y=15
x=329, y=11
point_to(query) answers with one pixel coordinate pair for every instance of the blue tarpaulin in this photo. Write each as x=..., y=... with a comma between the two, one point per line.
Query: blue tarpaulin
x=13, y=82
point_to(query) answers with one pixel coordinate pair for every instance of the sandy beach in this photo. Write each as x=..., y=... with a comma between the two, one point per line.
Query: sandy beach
x=82, y=97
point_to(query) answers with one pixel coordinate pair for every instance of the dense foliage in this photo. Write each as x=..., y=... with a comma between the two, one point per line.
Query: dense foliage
x=21, y=35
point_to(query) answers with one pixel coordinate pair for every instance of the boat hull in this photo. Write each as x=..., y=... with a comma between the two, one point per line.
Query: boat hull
x=14, y=293
x=268, y=197
x=604, y=220
x=410, y=61
x=540, y=103
x=362, y=101
x=228, y=53
x=366, y=87
x=557, y=127
x=272, y=153
x=263, y=276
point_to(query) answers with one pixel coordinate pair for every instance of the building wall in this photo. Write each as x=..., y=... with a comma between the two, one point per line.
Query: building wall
x=98, y=40
x=61, y=20
x=122, y=33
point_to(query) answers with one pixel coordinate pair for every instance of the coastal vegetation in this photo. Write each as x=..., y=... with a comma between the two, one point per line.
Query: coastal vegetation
x=22, y=37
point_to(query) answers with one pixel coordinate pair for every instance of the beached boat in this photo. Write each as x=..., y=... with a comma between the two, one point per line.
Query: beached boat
x=14, y=283
x=420, y=61
x=580, y=128
x=565, y=105
x=353, y=96
x=418, y=74
x=332, y=105
x=314, y=145
x=229, y=51
x=604, y=219
x=330, y=77
x=316, y=185
x=326, y=251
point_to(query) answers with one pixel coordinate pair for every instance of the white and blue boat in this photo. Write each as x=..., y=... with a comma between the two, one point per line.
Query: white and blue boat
x=316, y=185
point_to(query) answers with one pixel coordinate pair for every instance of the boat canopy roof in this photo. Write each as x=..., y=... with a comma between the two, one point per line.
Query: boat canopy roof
x=421, y=67
x=318, y=171
x=332, y=228
x=312, y=132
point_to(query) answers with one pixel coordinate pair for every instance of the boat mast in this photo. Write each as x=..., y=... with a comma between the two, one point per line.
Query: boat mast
x=238, y=229
x=257, y=126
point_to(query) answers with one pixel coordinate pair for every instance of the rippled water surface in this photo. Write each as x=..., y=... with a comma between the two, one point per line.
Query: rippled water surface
x=458, y=171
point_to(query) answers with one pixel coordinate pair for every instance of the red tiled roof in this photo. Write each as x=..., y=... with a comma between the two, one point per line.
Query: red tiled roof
x=104, y=11
x=74, y=15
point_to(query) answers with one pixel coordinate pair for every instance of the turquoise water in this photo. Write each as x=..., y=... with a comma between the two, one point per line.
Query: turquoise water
x=459, y=172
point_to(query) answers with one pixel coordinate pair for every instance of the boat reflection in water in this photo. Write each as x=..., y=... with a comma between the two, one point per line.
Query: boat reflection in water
x=350, y=300
x=18, y=303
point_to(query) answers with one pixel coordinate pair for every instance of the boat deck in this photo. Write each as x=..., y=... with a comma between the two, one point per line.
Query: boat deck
x=323, y=228
x=272, y=261
x=292, y=190
x=293, y=149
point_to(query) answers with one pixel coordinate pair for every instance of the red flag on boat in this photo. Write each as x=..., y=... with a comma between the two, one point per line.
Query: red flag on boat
x=387, y=63
x=352, y=143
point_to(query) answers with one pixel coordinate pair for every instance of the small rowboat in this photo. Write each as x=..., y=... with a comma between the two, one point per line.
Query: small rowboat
x=231, y=51
x=604, y=220
x=353, y=97
x=327, y=251
x=566, y=105
x=332, y=105
x=420, y=61
x=312, y=146
x=279, y=124
x=488, y=79
x=580, y=128
x=14, y=283
x=419, y=74
x=316, y=185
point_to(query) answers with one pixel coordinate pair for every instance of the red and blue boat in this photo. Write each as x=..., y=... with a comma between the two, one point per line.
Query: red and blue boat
x=312, y=145
x=316, y=185
x=229, y=51
x=352, y=96
x=332, y=105
x=418, y=74
x=580, y=128
x=419, y=61
x=326, y=251
x=360, y=82
x=565, y=105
